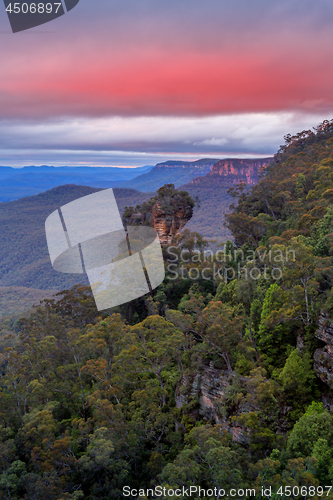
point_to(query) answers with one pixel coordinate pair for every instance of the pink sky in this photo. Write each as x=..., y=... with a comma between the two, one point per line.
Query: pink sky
x=237, y=75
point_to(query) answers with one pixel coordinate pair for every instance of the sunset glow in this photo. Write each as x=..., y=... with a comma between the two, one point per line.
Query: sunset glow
x=182, y=60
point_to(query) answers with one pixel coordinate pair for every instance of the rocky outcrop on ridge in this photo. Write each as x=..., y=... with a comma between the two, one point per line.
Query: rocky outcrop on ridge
x=168, y=212
x=232, y=171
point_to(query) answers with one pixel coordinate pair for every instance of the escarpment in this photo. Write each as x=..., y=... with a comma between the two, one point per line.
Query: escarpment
x=168, y=212
x=232, y=171
x=323, y=357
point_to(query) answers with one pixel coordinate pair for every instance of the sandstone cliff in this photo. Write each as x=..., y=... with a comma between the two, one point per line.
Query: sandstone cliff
x=168, y=226
x=223, y=398
x=323, y=358
x=212, y=190
x=232, y=171
x=168, y=212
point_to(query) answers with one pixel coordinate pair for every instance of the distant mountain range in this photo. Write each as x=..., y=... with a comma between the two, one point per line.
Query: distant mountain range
x=170, y=172
x=28, y=181
x=16, y=183
x=24, y=261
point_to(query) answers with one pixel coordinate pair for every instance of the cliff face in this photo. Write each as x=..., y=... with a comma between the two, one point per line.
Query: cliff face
x=234, y=170
x=167, y=213
x=211, y=388
x=323, y=358
x=167, y=225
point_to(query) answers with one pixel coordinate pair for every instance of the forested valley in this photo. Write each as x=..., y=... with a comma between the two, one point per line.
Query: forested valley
x=222, y=377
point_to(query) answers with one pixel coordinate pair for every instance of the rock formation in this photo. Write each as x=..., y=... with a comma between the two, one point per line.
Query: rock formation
x=168, y=212
x=211, y=388
x=232, y=171
x=323, y=358
x=168, y=226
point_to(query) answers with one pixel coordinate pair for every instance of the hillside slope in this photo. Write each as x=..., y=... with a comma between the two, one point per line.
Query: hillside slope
x=212, y=191
x=294, y=193
x=24, y=259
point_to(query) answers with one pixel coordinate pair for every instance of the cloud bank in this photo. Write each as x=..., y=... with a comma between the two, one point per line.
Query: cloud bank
x=157, y=78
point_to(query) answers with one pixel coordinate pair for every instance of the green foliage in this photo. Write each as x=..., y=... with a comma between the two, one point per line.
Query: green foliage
x=312, y=436
x=297, y=376
x=206, y=381
x=274, y=338
x=293, y=194
x=206, y=460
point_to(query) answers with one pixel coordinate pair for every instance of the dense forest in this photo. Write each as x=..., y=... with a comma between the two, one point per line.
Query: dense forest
x=221, y=378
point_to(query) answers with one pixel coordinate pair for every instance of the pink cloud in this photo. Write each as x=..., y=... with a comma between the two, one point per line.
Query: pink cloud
x=132, y=80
